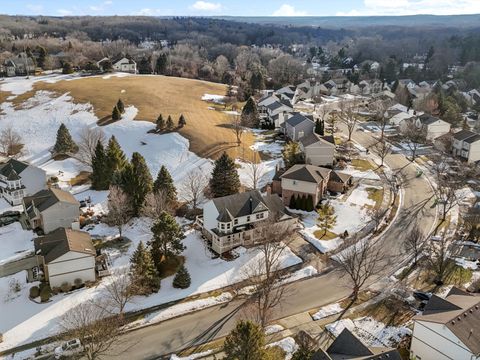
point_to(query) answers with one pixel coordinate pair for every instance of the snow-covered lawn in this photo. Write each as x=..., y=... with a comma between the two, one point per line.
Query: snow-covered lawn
x=370, y=331
x=265, y=171
x=218, y=99
x=193, y=356
x=273, y=329
x=327, y=310
x=15, y=243
x=359, y=174
x=288, y=345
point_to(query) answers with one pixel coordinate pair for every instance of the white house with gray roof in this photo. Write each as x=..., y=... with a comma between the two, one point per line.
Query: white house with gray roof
x=432, y=127
x=318, y=150
x=232, y=221
x=298, y=126
x=466, y=145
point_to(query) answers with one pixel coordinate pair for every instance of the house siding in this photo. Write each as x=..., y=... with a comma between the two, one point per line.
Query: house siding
x=295, y=133
x=71, y=266
x=319, y=154
x=299, y=188
x=60, y=215
x=34, y=179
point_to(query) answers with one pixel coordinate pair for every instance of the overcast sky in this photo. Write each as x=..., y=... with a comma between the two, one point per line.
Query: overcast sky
x=243, y=7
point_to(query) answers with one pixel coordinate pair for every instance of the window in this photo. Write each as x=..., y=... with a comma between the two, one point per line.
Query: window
x=229, y=225
x=248, y=218
x=259, y=216
x=294, y=182
x=235, y=222
x=301, y=134
x=222, y=226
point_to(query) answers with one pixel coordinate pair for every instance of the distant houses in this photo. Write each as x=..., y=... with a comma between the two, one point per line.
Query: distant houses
x=121, y=64
x=19, y=65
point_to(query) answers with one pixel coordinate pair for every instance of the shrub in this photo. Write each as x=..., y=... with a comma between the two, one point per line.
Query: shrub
x=182, y=278
x=78, y=283
x=45, y=293
x=34, y=292
x=66, y=287
x=56, y=290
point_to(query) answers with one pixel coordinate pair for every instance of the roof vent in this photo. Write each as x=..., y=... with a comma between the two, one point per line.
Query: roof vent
x=458, y=318
x=453, y=322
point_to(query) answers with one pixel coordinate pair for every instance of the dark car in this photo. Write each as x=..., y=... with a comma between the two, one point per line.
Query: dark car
x=11, y=213
x=7, y=221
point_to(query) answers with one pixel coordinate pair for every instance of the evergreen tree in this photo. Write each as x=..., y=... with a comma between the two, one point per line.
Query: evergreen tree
x=115, y=161
x=143, y=272
x=326, y=218
x=318, y=127
x=250, y=115
x=164, y=183
x=120, y=106
x=67, y=68
x=182, y=121
x=64, y=143
x=292, y=154
x=225, y=180
x=160, y=123
x=42, y=56
x=182, y=278
x=303, y=202
x=116, y=115
x=167, y=239
x=100, y=181
x=293, y=202
x=395, y=86
x=245, y=342
x=256, y=81
x=136, y=181
x=169, y=123
x=145, y=65
x=161, y=64
x=309, y=205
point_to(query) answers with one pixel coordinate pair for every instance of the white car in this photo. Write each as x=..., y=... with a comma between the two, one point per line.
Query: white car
x=68, y=348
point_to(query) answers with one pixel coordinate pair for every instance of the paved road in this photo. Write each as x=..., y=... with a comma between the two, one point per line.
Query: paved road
x=196, y=328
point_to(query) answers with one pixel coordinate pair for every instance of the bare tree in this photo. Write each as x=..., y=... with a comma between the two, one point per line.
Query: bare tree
x=156, y=203
x=11, y=142
x=255, y=170
x=382, y=149
x=377, y=215
x=413, y=243
x=414, y=137
x=332, y=120
x=438, y=259
x=380, y=109
x=92, y=324
x=194, y=186
x=349, y=117
x=237, y=128
x=359, y=261
x=119, y=208
x=119, y=290
x=88, y=140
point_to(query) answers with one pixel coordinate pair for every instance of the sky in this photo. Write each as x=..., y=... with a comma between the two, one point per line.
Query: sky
x=239, y=8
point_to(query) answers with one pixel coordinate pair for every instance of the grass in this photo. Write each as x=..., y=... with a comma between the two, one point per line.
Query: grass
x=375, y=195
x=121, y=244
x=170, y=266
x=457, y=275
x=363, y=296
x=363, y=165
x=319, y=234
x=390, y=311
x=82, y=178
x=153, y=95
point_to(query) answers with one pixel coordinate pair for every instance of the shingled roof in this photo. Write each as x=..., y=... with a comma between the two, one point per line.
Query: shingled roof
x=46, y=198
x=12, y=168
x=315, y=138
x=308, y=173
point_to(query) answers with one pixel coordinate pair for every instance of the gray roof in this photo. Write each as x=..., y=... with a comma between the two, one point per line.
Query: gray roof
x=473, y=139
x=46, y=198
x=428, y=119
x=307, y=173
x=61, y=241
x=275, y=105
x=463, y=135
x=340, y=177
x=297, y=119
x=12, y=168
x=315, y=138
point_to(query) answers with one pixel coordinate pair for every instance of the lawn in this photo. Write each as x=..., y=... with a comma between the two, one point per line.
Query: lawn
x=363, y=165
x=151, y=95
x=375, y=194
x=320, y=235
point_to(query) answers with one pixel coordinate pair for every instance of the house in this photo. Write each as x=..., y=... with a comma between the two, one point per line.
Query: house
x=348, y=346
x=20, y=65
x=318, y=150
x=432, y=126
x=399, y=114
x=66, y=256
x=125, y=64
x=309, y=180
x=448, y=328
x=50, y=209
x=466, y=145
x=230, y=221
x=298, y=126
x=19, y=179
x=272, y=110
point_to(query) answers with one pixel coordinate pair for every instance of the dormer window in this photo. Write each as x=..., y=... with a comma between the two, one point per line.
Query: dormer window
x=235, y=222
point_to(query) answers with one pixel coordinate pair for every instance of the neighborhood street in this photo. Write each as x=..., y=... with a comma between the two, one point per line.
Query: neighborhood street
x=196, y=328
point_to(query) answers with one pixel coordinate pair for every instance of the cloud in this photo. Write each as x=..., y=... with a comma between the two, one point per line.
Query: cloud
x=35, y=8
x=150, y=12
x=206, y=6
x=64, y=12
x=288, y=10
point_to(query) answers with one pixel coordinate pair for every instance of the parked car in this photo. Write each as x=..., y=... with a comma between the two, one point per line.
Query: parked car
x=7, y=221
x=11, y=213
x=68, y=348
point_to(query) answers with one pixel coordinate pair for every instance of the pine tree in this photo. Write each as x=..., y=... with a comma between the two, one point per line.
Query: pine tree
x=143, y=272
x=167, y=239
x=293, y=203
x=326, y=218
x=115, y=161
x=164, y=183
x=160, y=123
x=303, y=203
x=136, y=181
x=120, y=106
x=161, y=65
x=225, y=180
x=100, y=180
x=319, y=129
x=116, y=115
x=67, y=68
x=309, y=205
x=250, y=115
x=245, y=342
x=170, y=123
x=64, y=143
x=182, y=121
x=182, y=278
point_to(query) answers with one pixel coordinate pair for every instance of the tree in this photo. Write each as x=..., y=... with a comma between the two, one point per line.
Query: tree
x=42, y=56
x=145, y=65
x=164, y=183
x=116, y=160
x=237, y=128
x=292, y=154
x=413, y=243
x=64, y=143
x=100, y=180
x=169, y=124
x=245, y=342
x=182, y=121
x=120, y=106
x=119, y=291
x=160, y=123
x=349, y=117
x=161, y=64
x=119, y=209
x=11, y=143
x=136, y=181
x=255, y=171
x=225, y=180
x=293, y=203
x=67, y=68
x=309, y=205
x=438, y=259
x=182, y=278
x=250, y=117
x=156, y=203
x=383, y=149
x=194, y=186
x=116, y=114
x=306, y=347
x=143, y=271
x=332, y=120
x=319, y=127
x=167, y=238
x=326, y=217
x=414, y=138
x=88, y=140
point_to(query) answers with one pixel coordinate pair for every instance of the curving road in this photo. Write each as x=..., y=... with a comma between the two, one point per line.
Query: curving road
x=205, y=325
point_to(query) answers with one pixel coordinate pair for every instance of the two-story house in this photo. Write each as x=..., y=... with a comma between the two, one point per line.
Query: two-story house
x=19, y=65
x=273, y=110
x=298, y=126
x=318, y=150
x=433, y=127
x=125, y=64
x=466, y=145
x=50, y=209
x=19, y=179
x=233, y=221
x=448, y=328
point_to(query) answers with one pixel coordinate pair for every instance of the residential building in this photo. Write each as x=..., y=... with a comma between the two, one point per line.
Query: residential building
x=20, y=65
x=466, y=145
x=273, y=110
x=66, y=256
x=448, y=328
x=318, y=150
x=348, y=346
x=125, y=64
x=50, y=209
x=232, y=221
x=309, y=180
x=298, y=126
x=432, y=127
x=19, y=179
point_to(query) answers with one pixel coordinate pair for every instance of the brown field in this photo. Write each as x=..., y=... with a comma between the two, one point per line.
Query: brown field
x=206, y=129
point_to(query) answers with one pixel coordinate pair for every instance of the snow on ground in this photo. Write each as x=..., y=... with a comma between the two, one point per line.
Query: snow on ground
x=5, y=206
x=370, y=331
x=265, y=171
x=288, y=345
x=193, y=356
x=15, y=243
x=219, y=99
x=98, y=199
x=19, y=85
x=367, y=175
x=273, y=329
x=466, y=264
x=273, y=148
x=302, y=273
x=326, y=311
